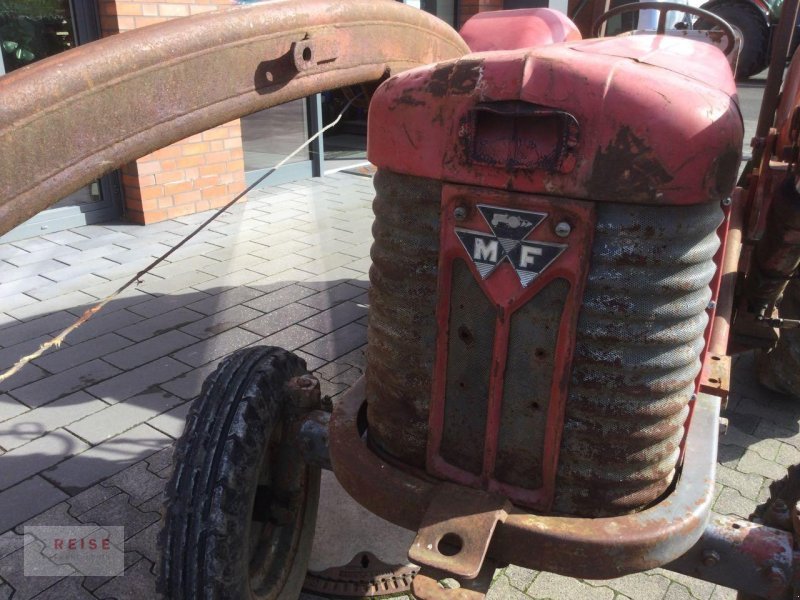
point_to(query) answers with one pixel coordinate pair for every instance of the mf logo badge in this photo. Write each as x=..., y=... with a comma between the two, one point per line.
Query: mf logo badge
x=509, y=228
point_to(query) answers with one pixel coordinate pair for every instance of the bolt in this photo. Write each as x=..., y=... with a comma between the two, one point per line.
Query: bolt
x=460, y=213
x=304, y=390
x=711, y=305
x=778, y=515
x=710, y=558
x=727, y=202
x=563, y=229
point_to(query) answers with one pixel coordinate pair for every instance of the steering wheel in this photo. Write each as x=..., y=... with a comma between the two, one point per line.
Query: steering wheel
x=663, y=8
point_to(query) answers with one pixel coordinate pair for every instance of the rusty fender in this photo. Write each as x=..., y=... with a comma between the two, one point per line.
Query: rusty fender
x=576, y=547
x=70, y=118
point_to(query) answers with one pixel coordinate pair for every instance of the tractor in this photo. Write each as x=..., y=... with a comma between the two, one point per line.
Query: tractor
x=563, y=266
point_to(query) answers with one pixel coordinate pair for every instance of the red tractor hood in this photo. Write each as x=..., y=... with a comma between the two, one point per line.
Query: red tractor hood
x=642, y=119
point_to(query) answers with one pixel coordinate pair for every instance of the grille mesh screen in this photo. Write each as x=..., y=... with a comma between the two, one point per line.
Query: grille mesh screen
x=638, y=342
x=638, y=346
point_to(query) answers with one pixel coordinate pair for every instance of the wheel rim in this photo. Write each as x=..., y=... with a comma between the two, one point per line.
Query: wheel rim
x=277, y=511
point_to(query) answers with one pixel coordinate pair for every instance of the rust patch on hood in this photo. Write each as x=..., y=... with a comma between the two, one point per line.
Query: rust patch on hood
x=627, y=168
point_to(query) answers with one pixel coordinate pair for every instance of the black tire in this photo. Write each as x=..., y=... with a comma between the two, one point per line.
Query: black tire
x=225, y=534
x=747, y=18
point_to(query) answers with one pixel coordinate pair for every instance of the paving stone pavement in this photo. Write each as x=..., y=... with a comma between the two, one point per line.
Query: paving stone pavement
x=86, y=432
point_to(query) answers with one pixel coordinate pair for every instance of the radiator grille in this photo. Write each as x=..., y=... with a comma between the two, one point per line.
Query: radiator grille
x=638, y=346
x=401, y=345
x=638, y=343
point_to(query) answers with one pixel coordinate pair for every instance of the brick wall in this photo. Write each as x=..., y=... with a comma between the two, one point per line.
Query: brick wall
x=198, y=173
x=468, y=8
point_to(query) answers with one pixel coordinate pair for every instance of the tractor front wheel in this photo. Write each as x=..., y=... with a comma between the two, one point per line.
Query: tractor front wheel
x=241, y=505
x=751, y=22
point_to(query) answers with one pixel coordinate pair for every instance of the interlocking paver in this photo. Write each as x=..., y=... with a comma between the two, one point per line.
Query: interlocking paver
x=221, y=321
x=51, y=290
x=38, y=455
x=280, y=263
x=89, y=498
x=146, y=328
x=332, y=296
x=224, y=300
x=19, y=257
x=336, y=317
x=697, y=588
x=118, y=510
x=27, y=374
x=93, y=583
x=556, y=587
x=64, y=383
x=24, y=285
x=25, y=500
x=723, y=593
x=503, y=590
x=274, y=300
x=103, y=243
x=161, y=460
x=312, y=362
x=174, y=283
x=48, y=268
x=68, y=588
x=766, y=449
x=10, y=408
x=122, y=416
x=216, y=347
x=87, y=468
x=279, y=319
x=10, y=541
x=71, y=356
x=138, y=582
x=788, y=455
x=79, y=269
x=138, y=482
x=341, y=341
x=731, y=502
x=752, y=462
x=291, y=338
x=130, y=383
x=149, y=349
x=103, y=323
x=11, y=570
x=173, y=421
x=160, y=304
x=188, y=385
x=55, y=322
x=748, y=485
x=145, y=543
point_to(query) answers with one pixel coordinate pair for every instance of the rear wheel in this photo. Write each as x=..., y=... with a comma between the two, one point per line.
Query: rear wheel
x=241, y=504
x=752, y=23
